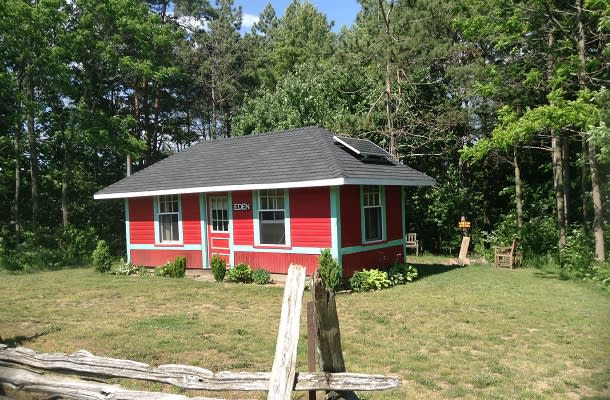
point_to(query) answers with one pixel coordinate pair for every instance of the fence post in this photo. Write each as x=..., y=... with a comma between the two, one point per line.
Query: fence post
x=311, y=344
x=328, y=335
x=283, y=372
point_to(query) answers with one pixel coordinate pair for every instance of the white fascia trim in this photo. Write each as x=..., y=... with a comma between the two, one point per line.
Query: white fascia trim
x=279, y=185
x=228, y=188
x=389, y=182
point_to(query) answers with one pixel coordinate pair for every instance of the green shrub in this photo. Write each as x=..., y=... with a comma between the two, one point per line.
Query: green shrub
x=174, y=269
x=366, y=280
x=219, y=268
x=241, y=273
x=577, y=255
x=400, y=274
x=330, y=270
x=261, y=276
x=102, y=262
x=179, y=267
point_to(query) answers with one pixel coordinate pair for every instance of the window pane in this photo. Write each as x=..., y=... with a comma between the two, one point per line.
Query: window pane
x=168, y=227
x=372, y=224
x=272, y=233
x=272, y=216
x=219, y=214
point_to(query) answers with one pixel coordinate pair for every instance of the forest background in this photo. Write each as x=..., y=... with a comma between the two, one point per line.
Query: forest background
x=504, y=103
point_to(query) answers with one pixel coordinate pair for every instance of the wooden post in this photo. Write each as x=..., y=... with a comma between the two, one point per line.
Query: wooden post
x=328, y=335
x=283, y=372
x=311, y=344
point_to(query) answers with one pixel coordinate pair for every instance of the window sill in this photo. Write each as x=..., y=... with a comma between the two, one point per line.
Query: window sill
x=272, y=246
x=169, y=244
x=374, y=242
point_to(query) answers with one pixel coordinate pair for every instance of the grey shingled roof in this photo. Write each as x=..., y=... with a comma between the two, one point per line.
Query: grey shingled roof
x=294, y=158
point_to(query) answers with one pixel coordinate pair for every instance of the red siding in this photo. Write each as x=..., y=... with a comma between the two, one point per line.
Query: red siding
x=155, y=258
x=372, y=259
x=243, y=228
x=141, y=220
x=191, y=225
x=310, y=217
x=277, y=263
x=351, y=232
x=393, y=212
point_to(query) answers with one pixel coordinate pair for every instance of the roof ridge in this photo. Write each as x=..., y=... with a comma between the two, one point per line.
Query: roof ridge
x=249, y=135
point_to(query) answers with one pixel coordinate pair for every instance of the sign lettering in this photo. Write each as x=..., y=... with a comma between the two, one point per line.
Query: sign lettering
x=241, y=207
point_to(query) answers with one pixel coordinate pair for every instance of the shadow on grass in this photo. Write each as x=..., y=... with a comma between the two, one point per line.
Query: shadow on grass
x=551, y=275
x=20, y=340
x=425, y=270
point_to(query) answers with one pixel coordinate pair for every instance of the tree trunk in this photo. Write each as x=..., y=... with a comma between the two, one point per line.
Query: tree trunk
x=558, y=186
x=598, y=210
x=65, y=181
x=33, y=149
x=16, y=210
x=518, y=190
x=556, y=157
x=565, y=156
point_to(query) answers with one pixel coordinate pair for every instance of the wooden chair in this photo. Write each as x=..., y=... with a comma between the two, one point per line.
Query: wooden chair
x=411, y=242
x=507, y=257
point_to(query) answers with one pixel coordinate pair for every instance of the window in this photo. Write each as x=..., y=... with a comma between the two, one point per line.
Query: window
x=372, y=213
x=169, y=218
x=272, y=217
x=219, y=214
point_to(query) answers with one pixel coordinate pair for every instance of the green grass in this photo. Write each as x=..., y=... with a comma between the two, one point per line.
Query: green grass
x=457, y=333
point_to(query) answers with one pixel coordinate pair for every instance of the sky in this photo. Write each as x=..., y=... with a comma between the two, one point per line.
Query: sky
x=343, y=12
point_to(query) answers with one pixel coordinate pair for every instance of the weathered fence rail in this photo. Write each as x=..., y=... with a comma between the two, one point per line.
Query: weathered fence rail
x=25, y=369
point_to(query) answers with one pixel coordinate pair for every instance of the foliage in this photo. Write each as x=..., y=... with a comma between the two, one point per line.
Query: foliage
x=127, y=269
x=577, y=256
x=101, y=259
x=367, y=280
x=241, y=273
x=330, y=270
x=219, y=267
x=261, y=276
x=172, y=269
x=400, y=274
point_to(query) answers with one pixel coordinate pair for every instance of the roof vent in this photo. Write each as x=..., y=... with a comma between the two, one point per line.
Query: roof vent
x=365, y=150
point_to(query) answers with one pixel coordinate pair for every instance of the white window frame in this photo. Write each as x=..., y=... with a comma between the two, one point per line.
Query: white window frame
x=365, y=203
x=213, y=207
x=158, y=214
x=258, y=209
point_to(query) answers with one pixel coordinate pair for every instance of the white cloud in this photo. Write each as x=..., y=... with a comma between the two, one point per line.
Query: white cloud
x=192, y=24
x=247, y=20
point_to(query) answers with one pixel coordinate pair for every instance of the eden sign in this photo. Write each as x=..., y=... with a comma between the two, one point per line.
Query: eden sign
x=241, y=207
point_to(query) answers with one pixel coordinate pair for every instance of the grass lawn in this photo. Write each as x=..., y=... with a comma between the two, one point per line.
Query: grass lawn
x=465, y=333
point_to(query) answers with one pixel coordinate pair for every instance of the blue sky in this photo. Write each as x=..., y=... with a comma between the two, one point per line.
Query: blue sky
x=343, y=12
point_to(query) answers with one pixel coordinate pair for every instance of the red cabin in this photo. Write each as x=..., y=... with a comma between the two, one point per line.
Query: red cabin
x=269, y=200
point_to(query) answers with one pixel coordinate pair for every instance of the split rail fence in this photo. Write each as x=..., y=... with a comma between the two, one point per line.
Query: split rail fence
x=23, y=369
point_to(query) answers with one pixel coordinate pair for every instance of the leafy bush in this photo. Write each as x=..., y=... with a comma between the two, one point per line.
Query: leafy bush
x=219, y=268
x=130, y=269
x=577, y=255
x=400, y=274
x=330, y=270
x=261, y=276
x=366, y=280
x=174, y=269
x=241, y=273
x=102, y=262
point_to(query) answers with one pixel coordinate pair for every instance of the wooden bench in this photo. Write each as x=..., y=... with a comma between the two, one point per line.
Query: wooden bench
x=507, y=257
x=411, y=242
